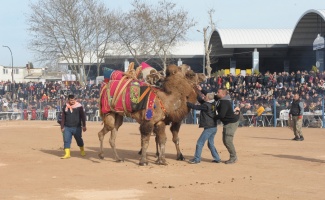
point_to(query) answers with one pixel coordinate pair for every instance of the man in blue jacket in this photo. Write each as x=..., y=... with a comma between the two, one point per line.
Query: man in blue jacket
x=230, y=119
x=209, y=123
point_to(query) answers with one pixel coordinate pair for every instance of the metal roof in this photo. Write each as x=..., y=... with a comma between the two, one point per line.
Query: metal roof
x=253, y=38
x=309, y=25
x=188, y=48
x=183, y=49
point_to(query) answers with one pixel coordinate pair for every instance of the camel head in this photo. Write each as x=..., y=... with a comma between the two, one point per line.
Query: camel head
x=182, y=80
x=172, y=70
x=184, y=68
x=186, y=72
x=195, y=78
x=201, y=77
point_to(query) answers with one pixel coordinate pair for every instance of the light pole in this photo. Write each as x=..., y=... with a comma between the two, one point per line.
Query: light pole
x=12, y=70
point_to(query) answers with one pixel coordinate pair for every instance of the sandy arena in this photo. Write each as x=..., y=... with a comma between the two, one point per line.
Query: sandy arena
x=270, y=166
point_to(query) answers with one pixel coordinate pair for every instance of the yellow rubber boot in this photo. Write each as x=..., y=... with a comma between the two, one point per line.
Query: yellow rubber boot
x=67, y=154
x=82, y=151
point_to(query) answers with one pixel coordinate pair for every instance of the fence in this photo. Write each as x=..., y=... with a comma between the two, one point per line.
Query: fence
x=270, y=118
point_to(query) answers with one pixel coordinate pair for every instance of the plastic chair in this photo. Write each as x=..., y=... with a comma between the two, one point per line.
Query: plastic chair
x=97, y=116
x=51, y=114
x=283, y=117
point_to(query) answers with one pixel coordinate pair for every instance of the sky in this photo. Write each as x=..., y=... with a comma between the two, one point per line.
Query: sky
x=228, y=14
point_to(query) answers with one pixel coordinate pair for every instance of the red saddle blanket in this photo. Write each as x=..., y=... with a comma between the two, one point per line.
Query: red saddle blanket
x=127, y=96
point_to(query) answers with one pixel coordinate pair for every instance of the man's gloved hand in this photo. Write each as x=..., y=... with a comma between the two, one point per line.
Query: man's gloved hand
x=300, y=117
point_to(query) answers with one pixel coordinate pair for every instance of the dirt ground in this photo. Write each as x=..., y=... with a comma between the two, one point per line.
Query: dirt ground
x=270, y=165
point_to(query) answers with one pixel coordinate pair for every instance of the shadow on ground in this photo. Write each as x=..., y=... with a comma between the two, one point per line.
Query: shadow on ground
x=128, y=155
x=297, y=158
x=271, y=138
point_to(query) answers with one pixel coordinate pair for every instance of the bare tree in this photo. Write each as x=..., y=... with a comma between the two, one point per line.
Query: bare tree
x=133, y=36
x=152, y=30
x=104, y=34
x=207, y=46
x=70, y=31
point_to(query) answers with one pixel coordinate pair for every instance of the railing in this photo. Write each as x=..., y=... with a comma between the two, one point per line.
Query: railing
x=310, y=119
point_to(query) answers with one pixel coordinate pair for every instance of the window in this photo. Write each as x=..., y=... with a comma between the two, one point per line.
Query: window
x=5, y=71
x=16, y=71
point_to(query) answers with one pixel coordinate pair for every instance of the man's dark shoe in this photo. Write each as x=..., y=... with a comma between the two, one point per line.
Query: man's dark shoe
x=296, y=138
x=216, y=161
x=301, y=139
x=193, y=161
x=231, y=161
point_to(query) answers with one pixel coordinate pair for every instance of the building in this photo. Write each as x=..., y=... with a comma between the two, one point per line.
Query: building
x=23, y=74
x=272, y=49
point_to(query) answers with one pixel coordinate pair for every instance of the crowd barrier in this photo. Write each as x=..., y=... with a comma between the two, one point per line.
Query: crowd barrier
x=310, y=119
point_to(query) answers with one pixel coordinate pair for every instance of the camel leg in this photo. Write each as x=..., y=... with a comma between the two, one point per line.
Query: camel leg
x=156, y=140
x=113, y=146
x=117, y=124
x=157, y=145
x=146, y=129
x=111, y=123
x=161, y=142
x=175, y=129
x=101, y=135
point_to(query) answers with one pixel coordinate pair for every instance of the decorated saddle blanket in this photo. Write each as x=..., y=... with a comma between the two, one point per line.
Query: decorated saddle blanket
x=111, y=74
x=127, y=95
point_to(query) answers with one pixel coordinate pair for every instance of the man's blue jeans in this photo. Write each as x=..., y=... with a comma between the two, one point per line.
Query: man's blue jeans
x=67, y=136
x=207, y=134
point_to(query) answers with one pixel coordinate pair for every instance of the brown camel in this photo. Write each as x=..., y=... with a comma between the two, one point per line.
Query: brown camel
x=170, y=107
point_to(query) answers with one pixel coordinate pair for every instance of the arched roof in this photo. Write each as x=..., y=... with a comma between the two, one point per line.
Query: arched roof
x=310, y=24
x=252, y=38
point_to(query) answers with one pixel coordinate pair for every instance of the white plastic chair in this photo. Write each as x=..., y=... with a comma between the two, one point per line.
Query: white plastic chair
x=96, y=116
x=284, y=114
x=51, y=115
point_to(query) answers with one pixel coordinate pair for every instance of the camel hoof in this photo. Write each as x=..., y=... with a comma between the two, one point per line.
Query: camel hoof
x=101, y=156
x=143, y=164
x=161, y=162
x=180, y=157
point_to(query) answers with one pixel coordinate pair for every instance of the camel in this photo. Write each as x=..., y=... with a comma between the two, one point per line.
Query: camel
x=170, y=107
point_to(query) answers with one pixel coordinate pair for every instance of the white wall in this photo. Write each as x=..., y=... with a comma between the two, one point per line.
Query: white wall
x=20, y=77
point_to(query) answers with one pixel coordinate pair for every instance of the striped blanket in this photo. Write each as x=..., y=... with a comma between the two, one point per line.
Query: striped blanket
x=127, y=96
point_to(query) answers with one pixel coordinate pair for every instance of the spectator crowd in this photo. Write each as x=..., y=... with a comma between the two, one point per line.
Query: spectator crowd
x=49, y=95
x=249, y=92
